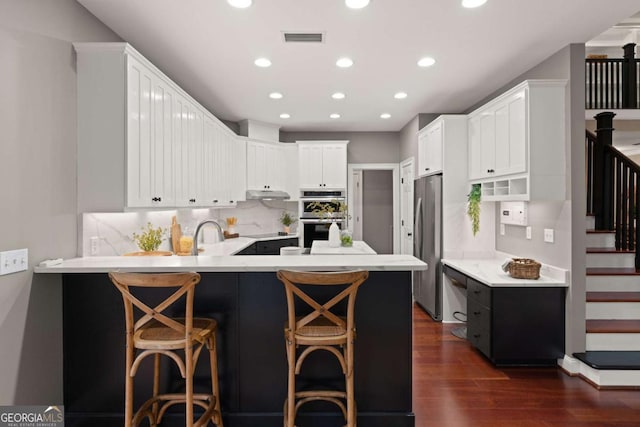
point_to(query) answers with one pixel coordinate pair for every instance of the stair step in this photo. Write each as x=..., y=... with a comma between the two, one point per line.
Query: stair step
x=608, y=250
x=629, y=283
x=612, y=271
x=607, y=240
x=591, y=221
x=613, y=360
x=611, y=259
x=599, y=326
x=592, y=231
x=614, y=297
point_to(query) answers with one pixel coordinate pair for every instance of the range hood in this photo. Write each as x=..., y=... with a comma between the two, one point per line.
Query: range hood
x=267, y=195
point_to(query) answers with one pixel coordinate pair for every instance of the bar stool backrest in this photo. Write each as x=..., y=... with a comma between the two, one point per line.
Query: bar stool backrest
x=185, y=282
x=292, y=280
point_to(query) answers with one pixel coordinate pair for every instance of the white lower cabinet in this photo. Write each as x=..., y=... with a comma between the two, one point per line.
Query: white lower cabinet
x=516, y=143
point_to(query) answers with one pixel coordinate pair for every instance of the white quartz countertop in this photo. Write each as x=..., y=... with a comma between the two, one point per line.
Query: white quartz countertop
x=226, y=263
x=321, y=247
x=489, y=272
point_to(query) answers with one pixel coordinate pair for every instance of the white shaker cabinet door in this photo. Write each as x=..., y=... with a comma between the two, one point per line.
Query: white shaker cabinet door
x=310, y=163
x=256, y=166
x=518, y=141
x=274, y=167
x=237, y=168
x=334, y=166
x=433, y=149
x=188, y=154
x=140, y=161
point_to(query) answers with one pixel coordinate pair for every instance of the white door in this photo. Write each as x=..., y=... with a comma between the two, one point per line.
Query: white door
x=406, y=206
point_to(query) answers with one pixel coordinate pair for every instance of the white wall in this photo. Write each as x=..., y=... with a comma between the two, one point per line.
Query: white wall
x=363, y=147
x=38, y=176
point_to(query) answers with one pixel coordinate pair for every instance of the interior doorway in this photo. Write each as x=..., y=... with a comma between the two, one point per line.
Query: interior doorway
x=406, y=206
x=373, y=200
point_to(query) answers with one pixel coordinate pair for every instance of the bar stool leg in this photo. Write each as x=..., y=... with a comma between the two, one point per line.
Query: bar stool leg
x=351, y=418
x=156, y=388
x=215, y=387
x=290, y=412
x=189, y=384
x=128, y=400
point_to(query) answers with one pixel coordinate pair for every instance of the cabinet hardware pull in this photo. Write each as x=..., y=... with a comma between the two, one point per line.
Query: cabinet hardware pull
x=476, y=335
x=476, y=313
x=476, y=292
x=215, y=201
x=426, y=169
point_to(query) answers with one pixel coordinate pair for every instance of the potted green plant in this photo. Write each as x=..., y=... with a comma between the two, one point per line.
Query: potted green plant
x=286, y=219
x=473, y=208
x=149, y=240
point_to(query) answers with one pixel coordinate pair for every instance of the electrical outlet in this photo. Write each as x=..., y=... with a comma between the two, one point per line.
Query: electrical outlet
x=14, y=261
x=548, y=235
x=528, y=231
x=502, y=231
x=95, y=241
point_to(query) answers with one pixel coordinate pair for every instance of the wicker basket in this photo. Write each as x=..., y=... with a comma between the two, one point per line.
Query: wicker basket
x=524, y=268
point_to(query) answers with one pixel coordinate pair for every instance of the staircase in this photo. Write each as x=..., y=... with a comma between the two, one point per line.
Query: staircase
x=612, y=357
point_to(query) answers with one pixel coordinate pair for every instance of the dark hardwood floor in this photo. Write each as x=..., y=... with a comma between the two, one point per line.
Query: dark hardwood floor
x=455, y=386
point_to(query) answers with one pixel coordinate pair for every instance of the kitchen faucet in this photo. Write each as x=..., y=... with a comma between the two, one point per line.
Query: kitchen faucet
x=194, y=251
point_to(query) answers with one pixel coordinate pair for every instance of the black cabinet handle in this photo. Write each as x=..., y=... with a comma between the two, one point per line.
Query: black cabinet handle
x=491, y=171
x=230, y=201
x=476, y=335
x=192, y=200
x=427, y=169
x=476, y=313
x=215, y=201
x=409, y=234
x=476, y=291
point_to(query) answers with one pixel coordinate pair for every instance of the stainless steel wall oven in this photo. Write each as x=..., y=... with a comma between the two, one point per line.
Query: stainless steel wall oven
x=314, y=227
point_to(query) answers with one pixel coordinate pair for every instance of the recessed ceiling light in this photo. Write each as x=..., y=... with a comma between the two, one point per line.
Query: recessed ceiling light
x=400, y=95
x=262, y=62
x=335, y=116
x=357, y=4
x=338, y=95
x=426, y=62
x=470, y=4
x=385, y=116
x=285, y=116
x=344, y=62
x=275, y=95
x=240, y=4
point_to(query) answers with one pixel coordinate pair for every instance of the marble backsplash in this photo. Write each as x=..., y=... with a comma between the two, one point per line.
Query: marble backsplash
x=111, y=233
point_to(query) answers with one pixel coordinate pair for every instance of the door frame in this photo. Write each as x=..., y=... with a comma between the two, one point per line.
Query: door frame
x=395, y=174
x=406, y=162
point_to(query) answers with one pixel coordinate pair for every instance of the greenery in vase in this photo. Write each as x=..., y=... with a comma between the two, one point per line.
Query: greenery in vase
x=150, y=238
x=286, y=219
x=473, y=209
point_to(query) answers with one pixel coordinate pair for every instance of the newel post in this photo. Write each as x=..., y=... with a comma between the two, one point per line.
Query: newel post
x=629, y=84
x=603, y=202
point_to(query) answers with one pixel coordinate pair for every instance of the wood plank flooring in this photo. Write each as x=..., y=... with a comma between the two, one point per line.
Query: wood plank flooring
x=455, y=386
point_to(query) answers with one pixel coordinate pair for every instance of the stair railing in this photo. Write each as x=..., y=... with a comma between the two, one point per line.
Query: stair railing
x=612, y=83
x=613, y=187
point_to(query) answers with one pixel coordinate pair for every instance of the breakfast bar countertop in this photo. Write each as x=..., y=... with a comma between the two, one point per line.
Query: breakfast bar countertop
x=246, y=263
x=321, y=247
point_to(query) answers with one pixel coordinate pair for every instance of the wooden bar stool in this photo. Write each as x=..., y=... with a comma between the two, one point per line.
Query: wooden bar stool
x=155, y=334
x=320, y=329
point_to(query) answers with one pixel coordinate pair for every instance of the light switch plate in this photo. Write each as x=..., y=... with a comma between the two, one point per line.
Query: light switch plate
x=548, y=235
x=14, y=261
x=528, y=232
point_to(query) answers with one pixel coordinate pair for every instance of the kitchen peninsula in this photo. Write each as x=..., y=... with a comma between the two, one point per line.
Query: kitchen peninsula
x=243, y=294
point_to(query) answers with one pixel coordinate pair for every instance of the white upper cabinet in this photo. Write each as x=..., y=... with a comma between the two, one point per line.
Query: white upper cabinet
x=497, y=138
x=143, y=142
x=265, y=166
x=322, y=164
x=430, y=140
x=516, y=143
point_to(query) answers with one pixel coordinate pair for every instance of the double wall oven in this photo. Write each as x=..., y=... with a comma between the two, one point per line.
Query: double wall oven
x=312, y=227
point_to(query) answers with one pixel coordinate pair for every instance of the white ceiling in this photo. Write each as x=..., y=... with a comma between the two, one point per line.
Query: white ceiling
x=208, y=48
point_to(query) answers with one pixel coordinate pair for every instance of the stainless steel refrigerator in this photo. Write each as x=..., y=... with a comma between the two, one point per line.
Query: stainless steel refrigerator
x=427, y=243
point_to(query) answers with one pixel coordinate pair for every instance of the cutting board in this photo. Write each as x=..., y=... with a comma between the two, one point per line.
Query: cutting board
x=176, y=233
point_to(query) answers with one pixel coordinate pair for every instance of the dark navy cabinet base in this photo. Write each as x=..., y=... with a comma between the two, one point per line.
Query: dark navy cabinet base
x=250, y=309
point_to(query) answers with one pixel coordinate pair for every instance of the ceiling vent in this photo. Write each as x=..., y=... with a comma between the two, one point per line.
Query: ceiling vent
x=302, y=37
